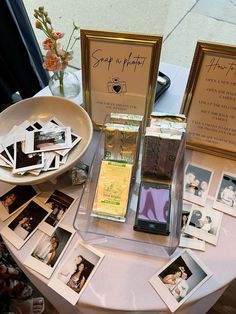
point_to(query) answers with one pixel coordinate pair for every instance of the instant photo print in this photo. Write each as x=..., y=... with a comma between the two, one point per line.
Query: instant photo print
x=21, y=227
x=153, y=208
x=225, y=200
x=83, y=259
x=12, y=200
x=48, y=139
x=58, y=203
x=197, y=181
x=204, y=223
x=180, y=278
x=46, y=254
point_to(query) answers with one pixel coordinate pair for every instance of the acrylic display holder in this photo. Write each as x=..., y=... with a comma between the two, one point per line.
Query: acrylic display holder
x=120, y=235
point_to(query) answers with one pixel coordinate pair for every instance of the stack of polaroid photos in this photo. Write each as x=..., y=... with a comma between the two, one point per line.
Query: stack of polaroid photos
x=163, y=148
x=33, y=147
x=162, y=141
x=121, y=147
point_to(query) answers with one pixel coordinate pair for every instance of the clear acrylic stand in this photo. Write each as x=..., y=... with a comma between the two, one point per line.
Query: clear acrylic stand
x=120, y=235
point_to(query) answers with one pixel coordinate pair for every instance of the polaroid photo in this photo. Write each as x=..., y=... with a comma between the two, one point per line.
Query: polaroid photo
x=58, y=203
x=204, y=223
x=186, y=240
x=4, y=156
x=26, y=162
x=75, y=139
x=47, y=140
x=46, y=254
x=180, y=278
x=197, y=181
x=21, y=227
x=225, y=200
x=12, y=200
x=71, y=279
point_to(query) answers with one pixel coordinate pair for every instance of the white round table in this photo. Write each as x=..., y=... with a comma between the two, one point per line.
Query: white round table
x=121, y=281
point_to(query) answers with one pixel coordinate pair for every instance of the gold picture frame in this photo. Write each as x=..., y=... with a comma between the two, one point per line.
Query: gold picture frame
x=119, y=73
x=209, y=101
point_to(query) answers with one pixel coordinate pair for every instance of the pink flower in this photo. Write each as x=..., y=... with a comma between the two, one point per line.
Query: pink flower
x=57, y=35
x=52, y=62
x=47, y=44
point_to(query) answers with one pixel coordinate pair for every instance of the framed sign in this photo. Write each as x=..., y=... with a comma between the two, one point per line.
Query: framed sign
x=119, y=72
x=210, y=100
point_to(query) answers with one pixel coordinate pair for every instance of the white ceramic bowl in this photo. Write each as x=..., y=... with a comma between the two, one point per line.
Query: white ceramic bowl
x=42, y=108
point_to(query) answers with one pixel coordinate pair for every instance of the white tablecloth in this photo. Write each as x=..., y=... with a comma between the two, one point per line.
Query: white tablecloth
x=121, y=281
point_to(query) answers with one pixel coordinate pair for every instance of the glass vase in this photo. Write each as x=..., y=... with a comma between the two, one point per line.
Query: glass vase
x=65, y=84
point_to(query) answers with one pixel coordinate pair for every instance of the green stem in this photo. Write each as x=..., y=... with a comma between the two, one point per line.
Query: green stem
x=61, y=77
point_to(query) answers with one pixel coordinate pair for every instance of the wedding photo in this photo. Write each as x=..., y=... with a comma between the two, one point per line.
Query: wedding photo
x=15, y=198
x=196, y=184
x=225, y=200
x=77, y=269
x=48, y=251
x=180, y=278
x=187, y=240
x=59, y=203
x=204, y=223
x=25, y=223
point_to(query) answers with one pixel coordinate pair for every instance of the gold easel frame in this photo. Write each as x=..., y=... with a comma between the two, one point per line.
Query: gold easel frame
x=119, y=73
x=210, y=100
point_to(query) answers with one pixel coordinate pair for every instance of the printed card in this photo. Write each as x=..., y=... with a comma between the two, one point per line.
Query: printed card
x=196, y=184
x=21, y=227
x=46, y=254
x=15, y=198
x=71, y=279
x=180, y=278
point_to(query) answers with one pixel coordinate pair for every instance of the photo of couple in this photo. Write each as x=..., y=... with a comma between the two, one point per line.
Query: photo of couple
x=196, y=184
x=177, y=283
x=180, y=278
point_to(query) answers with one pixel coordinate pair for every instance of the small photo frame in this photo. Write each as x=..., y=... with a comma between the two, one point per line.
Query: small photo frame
x=187, y=240
x=204, y=223
x=12, y=200
x=119, y=72
x=25, y=223
x=46, y=254
x=209, y=101
x=77, y=269
x=197, y=182
x=58, y=203
x=47, y=140
x=225, y=200
x=180, y=278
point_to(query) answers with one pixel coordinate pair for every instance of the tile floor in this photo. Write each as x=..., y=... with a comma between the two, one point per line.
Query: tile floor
x=182, y=23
